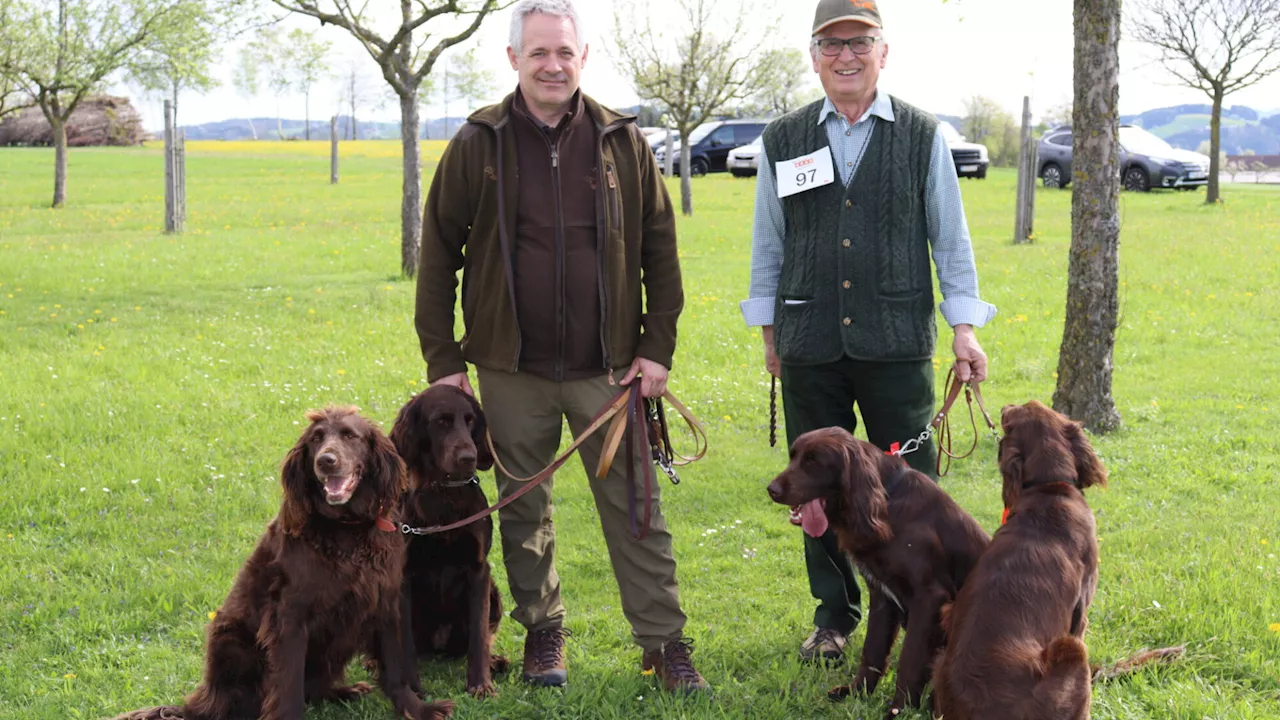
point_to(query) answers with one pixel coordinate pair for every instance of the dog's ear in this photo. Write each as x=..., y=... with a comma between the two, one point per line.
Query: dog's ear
x=1011, y=469
x=480, y=436
x=297, y=476
x=407, y=434
x=385, y=469
x=864, y=495
x=1089, y=469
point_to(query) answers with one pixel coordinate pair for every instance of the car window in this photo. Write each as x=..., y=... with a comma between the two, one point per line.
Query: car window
x=745, y=134
x=1062, y=139
x=701, y=132
x=1137, y=140
x=723, y=135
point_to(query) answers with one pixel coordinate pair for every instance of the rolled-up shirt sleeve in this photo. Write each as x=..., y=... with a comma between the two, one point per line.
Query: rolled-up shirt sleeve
x=767, y=232
x=952, y=247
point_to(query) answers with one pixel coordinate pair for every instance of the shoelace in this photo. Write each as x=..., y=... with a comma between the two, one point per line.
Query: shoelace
x=676, y=655
x=548, y=646
x=826, y=635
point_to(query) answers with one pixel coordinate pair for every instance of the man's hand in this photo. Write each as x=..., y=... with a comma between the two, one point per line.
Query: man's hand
x=653, y=377
x=771, y=361
x=971, y=362
x=458, y=380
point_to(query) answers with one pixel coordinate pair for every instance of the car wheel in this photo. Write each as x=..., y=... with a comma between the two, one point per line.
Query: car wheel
x=982, y=174
x=698, y=167
x=1135, y=179
x=1051, y=176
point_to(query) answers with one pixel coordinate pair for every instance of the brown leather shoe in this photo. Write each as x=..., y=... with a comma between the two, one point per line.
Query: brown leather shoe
x=824, y=644
x=673, y=665
x=544, y=657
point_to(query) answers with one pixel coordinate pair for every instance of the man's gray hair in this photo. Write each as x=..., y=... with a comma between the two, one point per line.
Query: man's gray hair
x=559, y=8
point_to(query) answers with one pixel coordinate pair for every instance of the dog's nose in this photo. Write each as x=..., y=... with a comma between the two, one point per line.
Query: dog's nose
x=775, y=492
x=466, y=457
x=327, y=461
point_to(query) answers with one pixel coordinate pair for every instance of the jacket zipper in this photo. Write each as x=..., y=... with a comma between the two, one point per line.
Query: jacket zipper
x=600, y=260
x=560, y=290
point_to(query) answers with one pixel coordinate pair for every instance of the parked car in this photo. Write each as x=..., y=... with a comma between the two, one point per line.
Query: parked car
x=745, y=161
x=710, y=143
x=970, y=158
x=1146, y=161
x=658, y=138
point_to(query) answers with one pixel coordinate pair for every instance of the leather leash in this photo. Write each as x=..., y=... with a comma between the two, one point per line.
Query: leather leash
x=940, y=426
x=628, y=412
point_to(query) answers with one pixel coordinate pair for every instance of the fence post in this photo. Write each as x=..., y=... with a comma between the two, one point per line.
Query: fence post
x=669, y=162
x=1024, y=214
x=333, y=150
x=180, y=177
x=169, y=187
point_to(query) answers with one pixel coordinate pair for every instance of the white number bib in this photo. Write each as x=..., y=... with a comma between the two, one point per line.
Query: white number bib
x=805, y=172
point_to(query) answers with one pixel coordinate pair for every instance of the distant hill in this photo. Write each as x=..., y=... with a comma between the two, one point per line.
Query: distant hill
x=243, y=129
x=1187, y=126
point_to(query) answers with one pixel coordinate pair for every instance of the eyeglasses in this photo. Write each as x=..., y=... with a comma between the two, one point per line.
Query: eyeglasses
x=833, y=47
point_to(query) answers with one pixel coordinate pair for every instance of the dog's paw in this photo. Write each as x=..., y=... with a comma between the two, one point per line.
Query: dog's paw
x=431, y=711
x=499, y=664
x=350, y=692
x=482, y=690
x=836, y=694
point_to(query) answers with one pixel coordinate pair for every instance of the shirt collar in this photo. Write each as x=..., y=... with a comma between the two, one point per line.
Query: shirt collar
x=881, y=107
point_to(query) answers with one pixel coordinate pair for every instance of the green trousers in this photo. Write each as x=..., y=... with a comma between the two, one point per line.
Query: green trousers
x=525, y=415
x=895, y=400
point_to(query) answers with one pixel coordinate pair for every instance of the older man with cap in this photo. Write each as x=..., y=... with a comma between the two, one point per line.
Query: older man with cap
x=855, y=192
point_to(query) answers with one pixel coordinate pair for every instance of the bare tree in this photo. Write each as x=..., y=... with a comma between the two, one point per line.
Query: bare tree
x=308, y=59
x=59, y=52
x=696, y=73
x=1215, y=46
x=982, y=117
x=244, y=76
x=355, y=93
x=464, y=78
x=405, y=63
x=1088, y=337
x=268, y=59
x=12, y=97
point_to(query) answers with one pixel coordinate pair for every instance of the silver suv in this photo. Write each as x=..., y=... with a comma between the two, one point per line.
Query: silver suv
x=1146, y=161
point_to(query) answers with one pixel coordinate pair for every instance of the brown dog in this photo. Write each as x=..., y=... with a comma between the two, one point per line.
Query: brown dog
x=452, y=603
x=323, y=581
x=913, y=545
x=1014, y=645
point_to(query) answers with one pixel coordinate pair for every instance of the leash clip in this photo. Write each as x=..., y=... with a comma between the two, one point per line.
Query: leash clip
x=665, y=466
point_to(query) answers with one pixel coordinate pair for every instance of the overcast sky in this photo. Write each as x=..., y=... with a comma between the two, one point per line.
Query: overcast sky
x=940, y=53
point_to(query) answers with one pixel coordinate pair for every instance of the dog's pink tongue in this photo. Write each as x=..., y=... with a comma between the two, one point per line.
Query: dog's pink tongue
x=813, y=518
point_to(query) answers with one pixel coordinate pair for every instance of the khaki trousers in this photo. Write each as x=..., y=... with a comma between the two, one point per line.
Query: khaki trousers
x=525, y=415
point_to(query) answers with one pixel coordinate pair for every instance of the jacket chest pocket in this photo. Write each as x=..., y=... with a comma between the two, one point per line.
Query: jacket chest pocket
x=613, y=197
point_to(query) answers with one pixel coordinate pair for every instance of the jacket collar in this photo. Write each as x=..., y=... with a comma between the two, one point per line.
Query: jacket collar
x=496, y=116
x=881, y=107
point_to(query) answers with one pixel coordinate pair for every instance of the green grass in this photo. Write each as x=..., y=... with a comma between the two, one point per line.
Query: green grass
x=150, y=386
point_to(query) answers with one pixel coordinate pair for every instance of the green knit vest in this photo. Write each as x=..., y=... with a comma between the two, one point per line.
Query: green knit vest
x=855, y=272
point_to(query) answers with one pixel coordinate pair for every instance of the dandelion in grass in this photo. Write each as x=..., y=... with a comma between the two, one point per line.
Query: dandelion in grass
x=69, y=676
x=1273, y=627
x=213, y=614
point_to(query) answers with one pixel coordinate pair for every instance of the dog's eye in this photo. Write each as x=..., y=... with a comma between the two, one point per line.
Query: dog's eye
x=348, y=434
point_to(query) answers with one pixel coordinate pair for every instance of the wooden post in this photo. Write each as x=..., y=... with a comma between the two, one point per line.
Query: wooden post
x=1024, y=213
x=170, y=187
x=669, y=162
x=333, y=150
x=180, y=180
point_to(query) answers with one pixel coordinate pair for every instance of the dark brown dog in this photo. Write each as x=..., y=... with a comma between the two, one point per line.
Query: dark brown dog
x=1014, y=645
x=453, y=605
x=323, y=580
x=912, y=543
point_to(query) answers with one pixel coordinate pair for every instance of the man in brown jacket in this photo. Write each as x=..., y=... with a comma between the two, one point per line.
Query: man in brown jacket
x=555, y=211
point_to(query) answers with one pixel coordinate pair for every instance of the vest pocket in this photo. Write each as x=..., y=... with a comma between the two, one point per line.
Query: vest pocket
x=909, y=330
x=804, y=331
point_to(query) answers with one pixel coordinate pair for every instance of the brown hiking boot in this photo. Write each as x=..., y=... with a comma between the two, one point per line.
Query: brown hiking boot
x=824, y=644
x=544, y=657
x=673, y=665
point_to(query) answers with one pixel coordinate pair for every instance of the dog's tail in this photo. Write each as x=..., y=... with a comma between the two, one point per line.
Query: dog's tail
x=1135, y=661
x=164, y=712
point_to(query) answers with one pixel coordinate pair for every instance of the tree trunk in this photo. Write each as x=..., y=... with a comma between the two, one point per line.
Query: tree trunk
x=686, y=171
x=252, y=129
x=306, y=100
x=59, y=162
x=1088, y=337
x=1215, y=146
x=411, y=202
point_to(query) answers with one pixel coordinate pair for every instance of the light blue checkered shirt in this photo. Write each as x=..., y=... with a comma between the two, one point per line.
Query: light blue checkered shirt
x=948, y=231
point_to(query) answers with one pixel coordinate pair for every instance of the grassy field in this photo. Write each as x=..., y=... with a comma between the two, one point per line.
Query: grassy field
x=150, y=386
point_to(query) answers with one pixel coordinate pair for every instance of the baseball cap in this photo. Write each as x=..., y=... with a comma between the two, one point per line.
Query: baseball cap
x=831, y=12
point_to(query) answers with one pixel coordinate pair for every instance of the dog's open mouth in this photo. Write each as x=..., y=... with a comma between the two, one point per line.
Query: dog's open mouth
x=811, y=517
x=339, y=488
